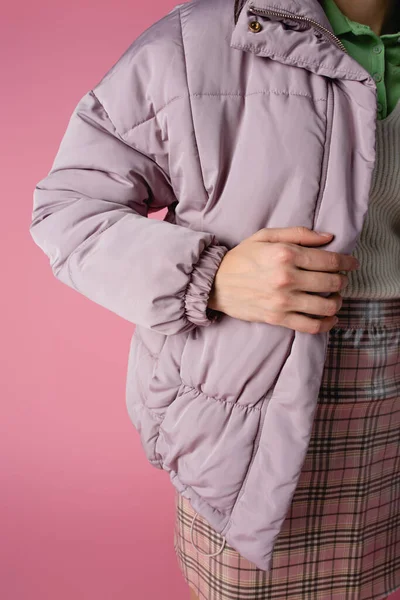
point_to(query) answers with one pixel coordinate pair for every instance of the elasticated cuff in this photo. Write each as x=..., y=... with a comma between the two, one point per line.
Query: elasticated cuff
x=199, y=287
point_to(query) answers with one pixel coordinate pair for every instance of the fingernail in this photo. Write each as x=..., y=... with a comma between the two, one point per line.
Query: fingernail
x=323, y=233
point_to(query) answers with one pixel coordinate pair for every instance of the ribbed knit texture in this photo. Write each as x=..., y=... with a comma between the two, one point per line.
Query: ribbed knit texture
x=378, y=247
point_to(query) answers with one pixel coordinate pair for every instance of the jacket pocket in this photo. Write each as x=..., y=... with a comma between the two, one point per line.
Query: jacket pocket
x=153, y=369
x=234, y=361
x=152, y=341
x=207, y=444
x=153, y=382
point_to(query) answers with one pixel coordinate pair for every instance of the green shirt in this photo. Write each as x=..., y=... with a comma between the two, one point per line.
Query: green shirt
x=379, y=55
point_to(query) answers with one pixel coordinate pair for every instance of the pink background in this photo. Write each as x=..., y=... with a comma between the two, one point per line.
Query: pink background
x=83, y=515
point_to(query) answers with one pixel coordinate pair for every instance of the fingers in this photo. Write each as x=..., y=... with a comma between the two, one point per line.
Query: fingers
x=316, y=305
x=294, y=235
x=313, y=281
x=315, y=259
x=306, y=324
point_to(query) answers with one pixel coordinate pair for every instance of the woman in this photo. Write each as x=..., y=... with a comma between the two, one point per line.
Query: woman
x=255, y=125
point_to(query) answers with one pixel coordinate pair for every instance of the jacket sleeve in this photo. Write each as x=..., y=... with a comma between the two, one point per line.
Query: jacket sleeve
x=90, y=213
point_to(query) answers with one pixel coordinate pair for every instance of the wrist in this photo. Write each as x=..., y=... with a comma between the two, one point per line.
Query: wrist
x=212, y=300
x=201, y=283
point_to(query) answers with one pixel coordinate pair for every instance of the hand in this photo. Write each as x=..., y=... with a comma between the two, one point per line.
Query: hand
x=268, y=277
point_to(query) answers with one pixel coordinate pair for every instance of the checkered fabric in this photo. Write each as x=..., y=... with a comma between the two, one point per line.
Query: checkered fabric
x=341, y=535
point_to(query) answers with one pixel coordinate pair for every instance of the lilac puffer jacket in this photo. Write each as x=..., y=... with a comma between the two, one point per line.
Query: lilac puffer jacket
x=236, y=118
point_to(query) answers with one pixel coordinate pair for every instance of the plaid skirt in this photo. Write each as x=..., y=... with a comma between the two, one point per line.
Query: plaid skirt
x=341, y=536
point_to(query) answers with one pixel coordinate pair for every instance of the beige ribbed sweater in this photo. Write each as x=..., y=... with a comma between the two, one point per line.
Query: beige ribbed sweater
x=378, y=246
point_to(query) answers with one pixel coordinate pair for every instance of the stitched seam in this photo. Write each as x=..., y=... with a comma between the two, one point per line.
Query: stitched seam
x=189, y=487
x=256, y=452
x=208, y=397
x=217, y=94
x=105, y=110
x=190, y=108
x=140, y=339
x=153, y=117
x=295, y=60
x=155, y=357
x=159, y=417
x=270, y=91
x=122, y=135
x=83, y=244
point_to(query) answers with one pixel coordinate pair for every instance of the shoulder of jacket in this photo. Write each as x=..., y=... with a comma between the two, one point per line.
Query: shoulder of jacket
x=147, y=76
x=207, y=20
x=152, y=71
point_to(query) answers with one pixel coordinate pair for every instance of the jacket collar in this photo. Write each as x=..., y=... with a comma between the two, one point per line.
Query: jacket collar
x=295, y=40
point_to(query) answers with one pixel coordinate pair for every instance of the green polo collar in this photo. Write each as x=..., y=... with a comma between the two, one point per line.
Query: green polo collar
x=340, y=23
x=379, y=55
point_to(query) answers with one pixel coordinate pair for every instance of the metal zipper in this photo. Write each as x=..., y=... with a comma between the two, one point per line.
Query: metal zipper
x=293, y=17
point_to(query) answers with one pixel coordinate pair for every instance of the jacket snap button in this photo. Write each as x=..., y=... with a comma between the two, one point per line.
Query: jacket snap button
x=255, y=26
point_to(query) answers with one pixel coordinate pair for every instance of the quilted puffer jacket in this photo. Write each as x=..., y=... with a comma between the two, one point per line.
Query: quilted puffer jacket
x=233, y=118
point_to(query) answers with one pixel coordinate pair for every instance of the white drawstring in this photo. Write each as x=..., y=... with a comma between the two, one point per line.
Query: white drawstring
x=198, y=549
